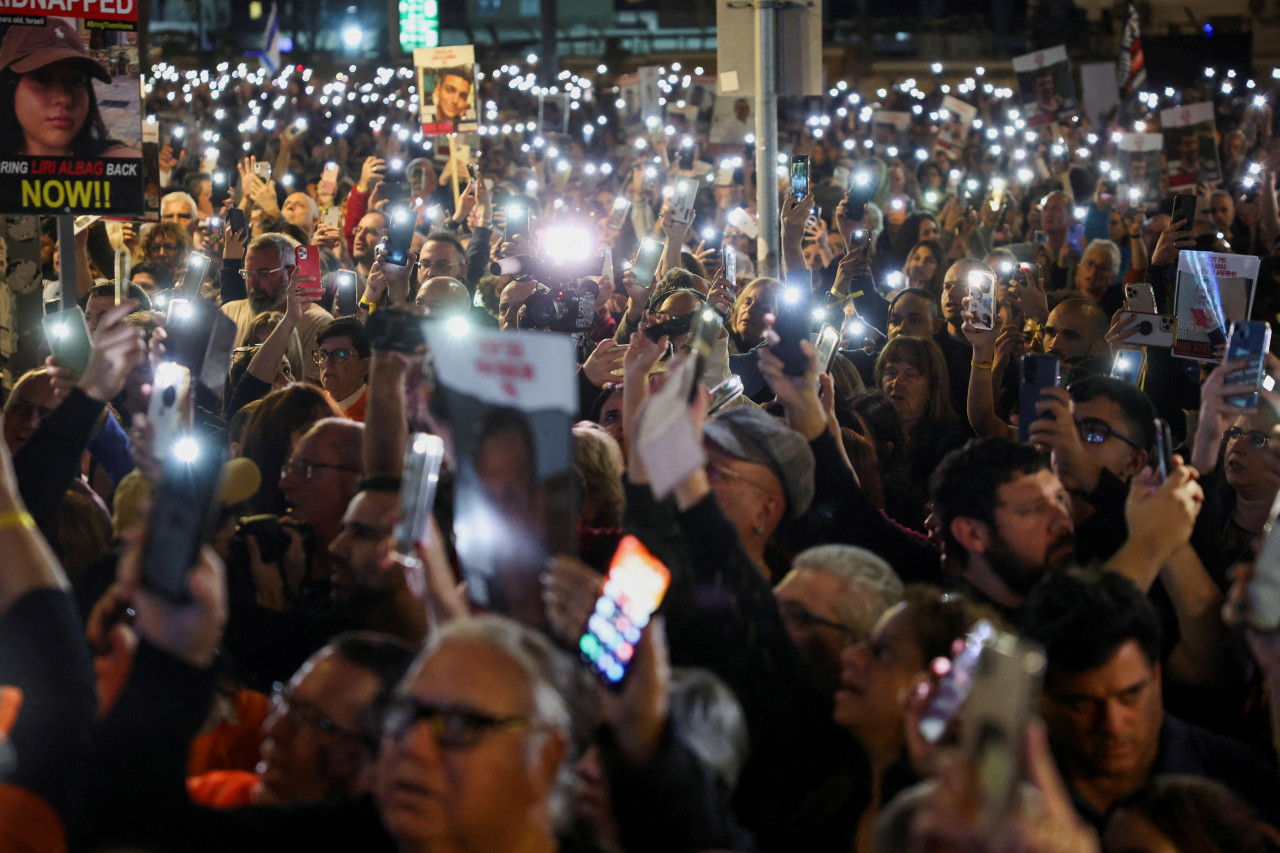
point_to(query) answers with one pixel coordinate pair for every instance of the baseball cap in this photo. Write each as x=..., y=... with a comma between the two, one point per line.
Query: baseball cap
x=752, y=435
x=28, y=48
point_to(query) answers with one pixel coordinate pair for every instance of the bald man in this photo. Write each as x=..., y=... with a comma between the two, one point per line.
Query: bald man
x=444, y=296
x=1076, y=327
x=302, y=211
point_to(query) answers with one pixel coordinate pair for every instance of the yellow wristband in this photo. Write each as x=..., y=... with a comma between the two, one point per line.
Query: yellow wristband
x=367, y=305
x=843, y=296
x=16, y=518
x=977, y=366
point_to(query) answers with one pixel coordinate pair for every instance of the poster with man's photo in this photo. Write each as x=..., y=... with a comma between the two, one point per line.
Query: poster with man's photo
x=889, y=130
x=1045, y=86
x=955, y=120
x=733, y=118
x=1139, y=162
x=1190, y=146
x=71, y=119
x=1213, y=291
x=447, y=85
x=509, y=416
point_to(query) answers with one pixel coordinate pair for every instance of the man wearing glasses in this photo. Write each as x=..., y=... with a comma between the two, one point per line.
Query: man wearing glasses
x=268, y=265
x=342, y=351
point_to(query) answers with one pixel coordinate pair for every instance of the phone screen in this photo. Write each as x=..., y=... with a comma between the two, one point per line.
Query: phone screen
x=68, y=337
x=799, y=177
x=730, y=255
x=1250, y=341
x=1127, y=366
x=646, y=265
x=633, y=589
x=828, y=341
x=400, y=235
x=418, y=482
x=725, y=393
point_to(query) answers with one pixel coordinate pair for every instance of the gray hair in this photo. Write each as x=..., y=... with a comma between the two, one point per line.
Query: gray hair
x=282, y=243
x=553, y=682
x=870, y=585
x=707, y=718
x=1111, y=248
x=185, y=198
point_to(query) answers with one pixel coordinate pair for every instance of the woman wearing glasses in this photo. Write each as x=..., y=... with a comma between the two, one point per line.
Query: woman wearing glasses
x=1237, y=452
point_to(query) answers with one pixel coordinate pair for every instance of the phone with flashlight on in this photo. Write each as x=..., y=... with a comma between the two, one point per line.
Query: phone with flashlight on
x=183, y=515
x=68, y=337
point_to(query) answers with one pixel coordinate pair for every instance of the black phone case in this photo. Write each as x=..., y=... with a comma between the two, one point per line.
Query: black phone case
x=1038, y=372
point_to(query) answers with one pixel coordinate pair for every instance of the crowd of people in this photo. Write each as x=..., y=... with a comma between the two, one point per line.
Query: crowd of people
x=321, y=684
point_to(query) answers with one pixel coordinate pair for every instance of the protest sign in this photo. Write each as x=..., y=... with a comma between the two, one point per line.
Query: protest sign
x=955, y=119
x=1138, y=161
x=1045, y=86
x=76, y=154
x=447, y=84
x=1213, y=291
x=732, y=120
x=1190, y=146
x=509, y=412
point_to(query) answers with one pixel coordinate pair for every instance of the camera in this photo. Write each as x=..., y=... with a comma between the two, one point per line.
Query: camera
x=272, y=539
x=568, y=307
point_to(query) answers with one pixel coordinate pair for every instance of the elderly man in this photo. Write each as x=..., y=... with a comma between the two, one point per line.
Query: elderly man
x=1096, y=270
x=181, y=208
x=301, y=210
x=268, y=265
x=831, y=599
x=443, y=296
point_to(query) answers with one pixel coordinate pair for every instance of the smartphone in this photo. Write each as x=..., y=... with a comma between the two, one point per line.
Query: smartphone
x=861, y=238
x=955, y=686
x=332, y=216
x=997, y=193
x=418, y=482
x=799, y=176
x=394, y=186
x=217, y=353
x=1141, y=297
x=329, y=179
x=791, y=322
x=1041, y=238
x=474, y=171
x=706, y=330
x=1006, y=690
x=632, y=590
x=730, y=255
x=517, y=222
x=618, y=216
x=1039, y=371
x=1075, y=237
x=262, y=170
x=1164, y=448
x=686, y=157
x=193, y=276
x=646, y=262
x=169, y=389
x=395, y=331
x=68, y=337
x=309, y=266
x=400, y=235
x=1128, y=366
x=236, y=220
x=1250, y=340
x=1263, y=590
x=1184, y=209
x=344, y=283
x=982, y=298
x=683, y=199
x=828, y=343
x=183, y=515
x=725, y=393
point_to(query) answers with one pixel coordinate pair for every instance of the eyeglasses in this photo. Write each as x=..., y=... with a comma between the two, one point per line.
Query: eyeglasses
x=1095, y=431
x=262, y=273
x=1257, y=437
x=795, y=613
x=320, y=356
x=306, y=469
x=162, y=247
x=453, y=726
x=283, y=702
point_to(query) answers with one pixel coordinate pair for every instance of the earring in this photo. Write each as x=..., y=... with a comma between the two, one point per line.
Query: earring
x=758, y=529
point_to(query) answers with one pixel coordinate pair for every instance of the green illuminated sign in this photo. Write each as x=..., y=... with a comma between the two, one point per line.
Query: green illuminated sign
x=419, y=24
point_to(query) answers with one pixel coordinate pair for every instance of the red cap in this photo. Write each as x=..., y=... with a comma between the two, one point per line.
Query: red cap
x=28, y=48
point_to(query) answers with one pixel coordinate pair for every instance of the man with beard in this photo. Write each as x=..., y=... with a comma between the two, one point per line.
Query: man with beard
x=268, y=264
x=370, y=589
x=364, y=240
x=1004, y=516
x=1103, y=706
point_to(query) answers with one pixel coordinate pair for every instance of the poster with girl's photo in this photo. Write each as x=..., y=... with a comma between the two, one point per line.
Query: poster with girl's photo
x=1045, y=86
x=1190, y=146
x=71, y=115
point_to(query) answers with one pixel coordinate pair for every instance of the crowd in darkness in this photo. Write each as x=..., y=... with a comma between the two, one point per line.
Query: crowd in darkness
x=321, y=686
